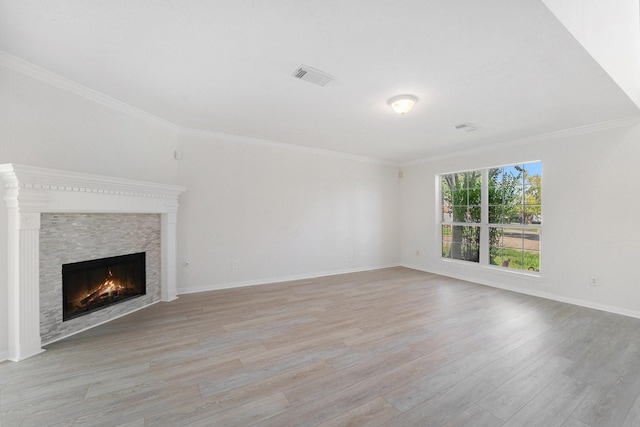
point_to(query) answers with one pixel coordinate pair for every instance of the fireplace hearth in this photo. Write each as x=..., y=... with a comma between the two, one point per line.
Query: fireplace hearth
x=92, y=285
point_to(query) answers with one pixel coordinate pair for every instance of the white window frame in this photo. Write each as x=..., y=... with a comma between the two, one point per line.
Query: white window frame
x=484, y=225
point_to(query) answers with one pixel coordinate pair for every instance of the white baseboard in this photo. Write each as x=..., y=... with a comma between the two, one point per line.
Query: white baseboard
x=545, y=295
x=270, y=280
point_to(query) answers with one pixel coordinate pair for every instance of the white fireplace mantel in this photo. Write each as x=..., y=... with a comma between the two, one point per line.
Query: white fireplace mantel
x=30, y=191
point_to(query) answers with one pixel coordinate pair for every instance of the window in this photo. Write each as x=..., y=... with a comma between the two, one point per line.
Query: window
x=493, y=216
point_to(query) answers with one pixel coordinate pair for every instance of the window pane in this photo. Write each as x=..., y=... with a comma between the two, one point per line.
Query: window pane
x=495, y=177
x=532, y=214
x=495, y=236
x=513, y=173
x=444, y=183
x=473, y=214
x=460, y=213
x=461, y=242
x=512, y=258
x=504, y=257
x=507, y=248
x=460, y=181
x=531, y=250
x=446, y=241
x=475, y=195
x=460, y=198
x=496, y=215
x=533, y=169
x=531, y=240
x=496, y=195
x=515, y=248
x=508, y=194
x=519, y=216
x=532, y=260
x=447, y=213
x=536, y=214
x=533, y=192
x=446, y=191
x=495, y=256
x=512, y=238
x=469, y=179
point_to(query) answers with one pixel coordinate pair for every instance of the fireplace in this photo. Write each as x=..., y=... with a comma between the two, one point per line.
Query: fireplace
x=32, y=284
x=92, y=285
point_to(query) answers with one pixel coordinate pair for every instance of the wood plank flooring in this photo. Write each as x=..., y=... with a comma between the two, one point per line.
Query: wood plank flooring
x=391, y=347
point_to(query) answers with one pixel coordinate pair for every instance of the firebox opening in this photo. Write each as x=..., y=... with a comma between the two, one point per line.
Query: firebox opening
x=92, y=285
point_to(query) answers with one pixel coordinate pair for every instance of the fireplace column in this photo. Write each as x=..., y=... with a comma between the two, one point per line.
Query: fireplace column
x=23, y=238
x=168, y=242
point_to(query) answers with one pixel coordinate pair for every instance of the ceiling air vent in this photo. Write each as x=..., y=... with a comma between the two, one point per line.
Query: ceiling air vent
x=312, y=75
x=467, y=127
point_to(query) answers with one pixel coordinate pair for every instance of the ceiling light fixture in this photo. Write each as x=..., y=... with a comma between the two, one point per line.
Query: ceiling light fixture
x=402, y=104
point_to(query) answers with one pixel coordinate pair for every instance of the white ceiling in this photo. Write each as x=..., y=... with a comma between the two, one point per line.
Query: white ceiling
x=507, y=66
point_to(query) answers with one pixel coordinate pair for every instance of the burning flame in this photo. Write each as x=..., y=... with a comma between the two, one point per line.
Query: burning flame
x=105, y=290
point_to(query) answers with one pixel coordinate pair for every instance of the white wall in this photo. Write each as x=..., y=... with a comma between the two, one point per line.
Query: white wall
x=591, y=198
x=610, y=32
x=281, y=214
x=42, y=125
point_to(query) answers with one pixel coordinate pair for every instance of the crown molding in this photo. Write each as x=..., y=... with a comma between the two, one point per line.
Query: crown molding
x=549, y=136
x=49, y=77
x=225, y=137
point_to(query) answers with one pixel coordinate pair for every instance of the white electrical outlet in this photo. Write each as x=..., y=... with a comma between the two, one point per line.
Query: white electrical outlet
x=234, y=264
x=593, y=281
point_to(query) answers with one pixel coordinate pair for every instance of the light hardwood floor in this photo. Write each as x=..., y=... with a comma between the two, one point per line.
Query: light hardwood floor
x=392, y=347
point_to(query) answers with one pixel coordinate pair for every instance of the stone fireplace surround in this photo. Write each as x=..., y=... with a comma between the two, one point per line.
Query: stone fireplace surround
x=31, y=191
x=74, y=237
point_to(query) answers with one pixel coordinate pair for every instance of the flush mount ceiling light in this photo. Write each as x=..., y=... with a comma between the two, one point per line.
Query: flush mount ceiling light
x=402, y=104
